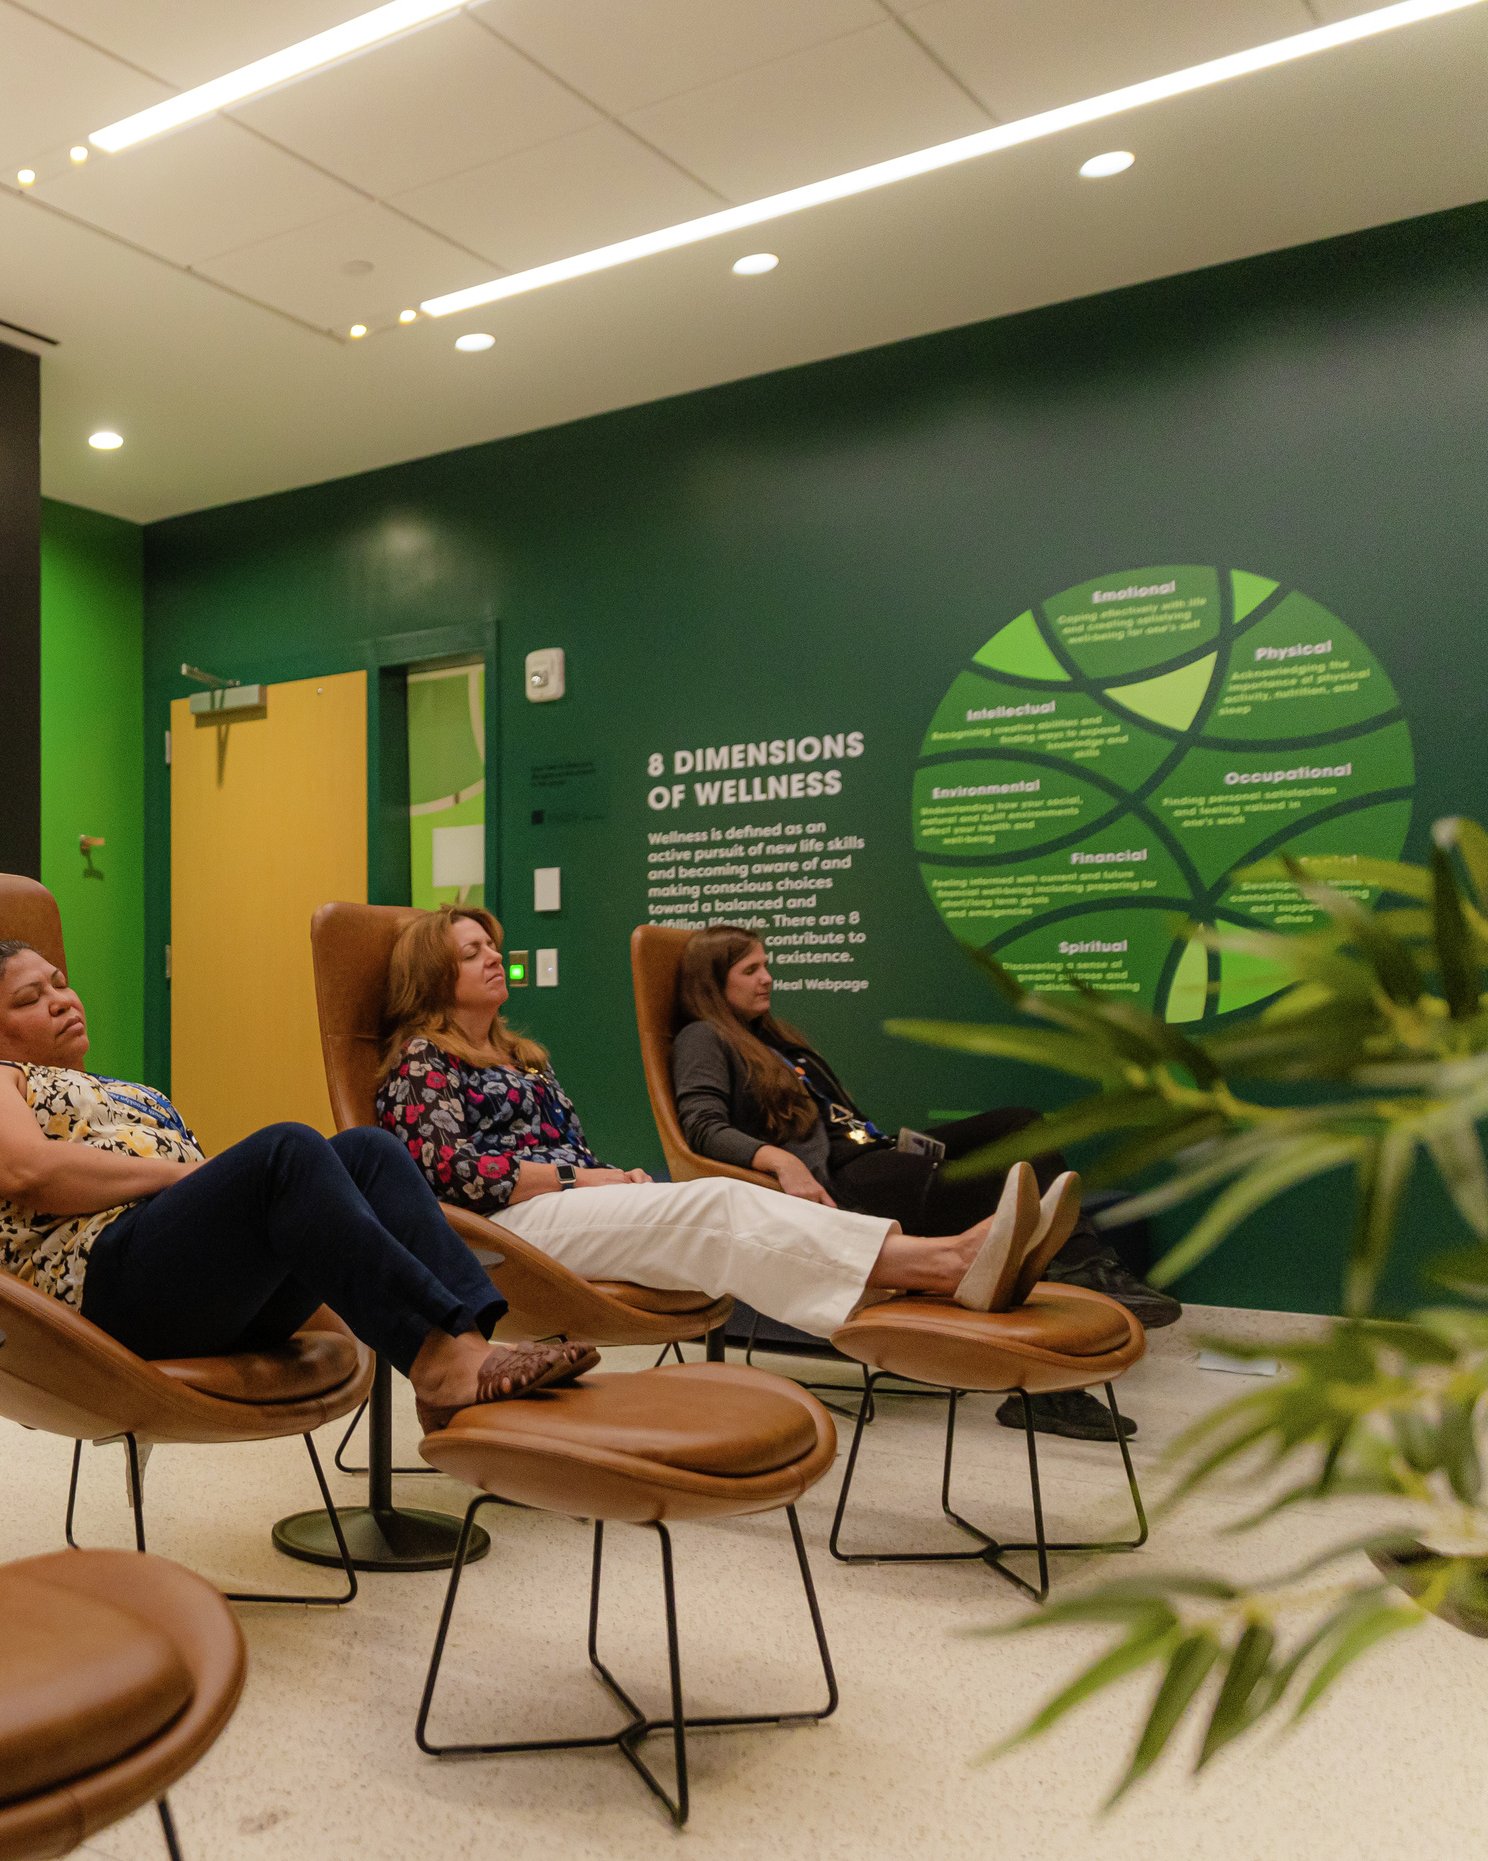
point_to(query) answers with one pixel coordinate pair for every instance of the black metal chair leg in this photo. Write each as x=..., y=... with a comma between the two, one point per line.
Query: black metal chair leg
x=638, y=1727
x=72, y=1486
x=990, y=1550
x=168, y=1830
x=313, y=1602
x=345, y=1442
x=674, y=1349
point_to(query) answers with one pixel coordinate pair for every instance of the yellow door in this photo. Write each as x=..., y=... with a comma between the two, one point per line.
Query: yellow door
x=268, y=820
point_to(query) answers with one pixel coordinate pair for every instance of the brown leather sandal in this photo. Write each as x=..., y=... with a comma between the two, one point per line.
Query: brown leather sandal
x=555, y=1365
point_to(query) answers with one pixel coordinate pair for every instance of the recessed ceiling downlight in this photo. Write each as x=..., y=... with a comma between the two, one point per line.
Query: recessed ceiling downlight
x=755, y=264
x=981, y=142
x=473, y=341
x=357, y=331
x=1114, y=161
x=105, y=440
x=26, y=177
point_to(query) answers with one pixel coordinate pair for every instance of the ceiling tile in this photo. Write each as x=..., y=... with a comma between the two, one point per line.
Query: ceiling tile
x=53, y=91
x=624, y=57
x=822, y=112
x=306, y=271
x=428, y=105
x=568, y=196
x=186, y=45
x=201, y=191
x=1006, y=53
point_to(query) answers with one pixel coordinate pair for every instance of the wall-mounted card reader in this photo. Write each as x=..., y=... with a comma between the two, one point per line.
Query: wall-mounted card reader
x=518, y=969
x=547, y=969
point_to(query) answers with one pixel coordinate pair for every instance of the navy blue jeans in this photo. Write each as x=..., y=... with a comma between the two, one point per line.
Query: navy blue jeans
x=237, y=1255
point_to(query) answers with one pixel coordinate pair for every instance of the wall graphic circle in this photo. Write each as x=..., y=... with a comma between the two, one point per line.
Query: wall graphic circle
x=1106, y=761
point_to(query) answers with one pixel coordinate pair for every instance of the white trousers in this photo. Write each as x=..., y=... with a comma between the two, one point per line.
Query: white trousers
x=790, y=1259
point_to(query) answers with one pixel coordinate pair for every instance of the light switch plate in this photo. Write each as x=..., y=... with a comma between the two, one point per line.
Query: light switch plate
x=547, y=969
x=545, y=675
x=547, y=888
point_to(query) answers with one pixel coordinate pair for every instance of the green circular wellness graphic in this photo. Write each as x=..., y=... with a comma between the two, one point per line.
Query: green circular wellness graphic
x=1105, y=763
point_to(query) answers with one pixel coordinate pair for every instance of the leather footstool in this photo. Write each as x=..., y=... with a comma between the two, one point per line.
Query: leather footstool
x=118, y=1671
x=1061, y=1338
x=692, y=1441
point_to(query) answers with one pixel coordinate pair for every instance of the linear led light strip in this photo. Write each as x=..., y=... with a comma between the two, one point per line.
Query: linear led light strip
x=352, y=35
x=948, y=154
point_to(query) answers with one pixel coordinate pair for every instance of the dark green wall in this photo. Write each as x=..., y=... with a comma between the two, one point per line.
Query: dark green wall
x=92, y=766
x=823, y=548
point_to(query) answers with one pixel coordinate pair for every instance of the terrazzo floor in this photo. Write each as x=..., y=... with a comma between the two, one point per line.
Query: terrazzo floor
x=320, y=1759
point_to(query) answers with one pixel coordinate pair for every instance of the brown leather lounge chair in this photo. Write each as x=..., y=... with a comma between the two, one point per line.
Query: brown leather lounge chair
x=351, y=945
x=118, y=1673
x=656, y=968
x=62, y=1374
x=1060, y=1338
x=695, y=1441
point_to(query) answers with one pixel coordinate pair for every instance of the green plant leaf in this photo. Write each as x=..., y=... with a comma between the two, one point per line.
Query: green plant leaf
x=1126, y=1657
x=1456, y=955
x=1469, y=839
x=1065, y=1053
x=1363, y=1632
x=1121, y=1162
x=1457, y=1151
x=1261, y=1184
x=1392, y=961
x=1188, y=1667
x=1383, y=1172
x=1234, y=1709
x=1086, y=1118
x=1390, y=875
x=1459, y=1450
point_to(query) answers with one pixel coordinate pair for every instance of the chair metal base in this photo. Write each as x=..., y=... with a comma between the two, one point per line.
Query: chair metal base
x=991, y=1551
x=168, y=1830
x=342, y=1558
x=639, y=1726
x=384, y=1538
x=345, y=1442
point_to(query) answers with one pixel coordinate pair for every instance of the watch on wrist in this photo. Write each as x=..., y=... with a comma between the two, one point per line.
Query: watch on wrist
x=568, y=1176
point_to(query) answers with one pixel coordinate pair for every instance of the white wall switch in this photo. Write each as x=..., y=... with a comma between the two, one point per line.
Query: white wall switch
x=547, y=888
x=547, y=969
x=544, y=678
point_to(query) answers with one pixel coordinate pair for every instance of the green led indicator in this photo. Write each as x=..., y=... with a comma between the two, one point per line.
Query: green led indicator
x=518, y=972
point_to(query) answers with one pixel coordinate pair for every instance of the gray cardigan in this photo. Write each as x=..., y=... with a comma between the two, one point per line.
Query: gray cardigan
x=719, y=1114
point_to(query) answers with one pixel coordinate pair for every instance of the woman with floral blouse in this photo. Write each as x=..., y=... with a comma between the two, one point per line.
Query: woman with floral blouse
x=483, y=1115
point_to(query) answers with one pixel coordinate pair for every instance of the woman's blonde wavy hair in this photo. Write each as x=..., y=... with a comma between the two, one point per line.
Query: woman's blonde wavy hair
x=422, y=973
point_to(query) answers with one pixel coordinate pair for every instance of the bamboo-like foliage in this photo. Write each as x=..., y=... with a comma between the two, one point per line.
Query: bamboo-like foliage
x=1378, y=1046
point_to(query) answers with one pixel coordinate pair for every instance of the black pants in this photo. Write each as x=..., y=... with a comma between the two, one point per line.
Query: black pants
x=911, y=1190
x=237, y=1255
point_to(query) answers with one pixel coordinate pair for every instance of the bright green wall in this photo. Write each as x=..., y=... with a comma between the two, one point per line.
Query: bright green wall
x=92, y=774
x=823, y=548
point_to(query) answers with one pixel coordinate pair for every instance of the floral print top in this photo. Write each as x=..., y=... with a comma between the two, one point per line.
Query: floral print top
x=469, y=1127
x=50, y=1252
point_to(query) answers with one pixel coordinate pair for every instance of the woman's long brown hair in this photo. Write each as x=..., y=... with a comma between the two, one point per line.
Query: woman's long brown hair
x=789, y=1109
x=422, y=972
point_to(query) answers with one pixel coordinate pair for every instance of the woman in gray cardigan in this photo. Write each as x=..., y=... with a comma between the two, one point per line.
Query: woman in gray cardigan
x=752, y=1091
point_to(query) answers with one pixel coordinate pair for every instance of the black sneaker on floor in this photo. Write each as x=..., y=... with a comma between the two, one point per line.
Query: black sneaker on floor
x=1103, y=1272
x=1073, y=1413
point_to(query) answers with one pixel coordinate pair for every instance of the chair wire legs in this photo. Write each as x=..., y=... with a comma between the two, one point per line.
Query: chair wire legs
x=345, y=1442
x=134, y=1461
x=639, y=1726
x=990, y=1551
x=168, y=1830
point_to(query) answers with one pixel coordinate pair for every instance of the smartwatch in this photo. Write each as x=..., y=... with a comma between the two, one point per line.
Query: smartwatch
x=568, y=1176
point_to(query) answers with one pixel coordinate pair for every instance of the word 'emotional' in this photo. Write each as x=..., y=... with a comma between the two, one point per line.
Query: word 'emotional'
x=1132, y=594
